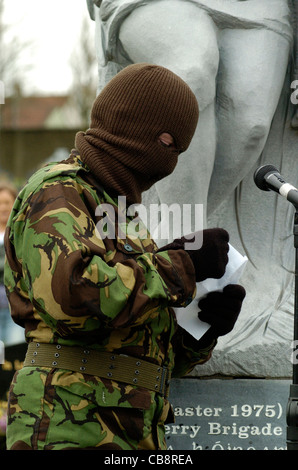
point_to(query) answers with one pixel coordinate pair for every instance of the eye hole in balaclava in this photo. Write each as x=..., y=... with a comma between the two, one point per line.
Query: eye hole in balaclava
x=167, y=140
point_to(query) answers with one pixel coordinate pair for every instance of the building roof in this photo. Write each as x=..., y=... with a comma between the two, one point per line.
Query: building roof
x=31, y=112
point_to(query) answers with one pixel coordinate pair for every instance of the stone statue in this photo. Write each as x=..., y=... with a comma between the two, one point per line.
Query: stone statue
x=236, y=56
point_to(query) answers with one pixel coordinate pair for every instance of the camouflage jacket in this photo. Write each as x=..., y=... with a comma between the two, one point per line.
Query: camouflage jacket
x=67, y=284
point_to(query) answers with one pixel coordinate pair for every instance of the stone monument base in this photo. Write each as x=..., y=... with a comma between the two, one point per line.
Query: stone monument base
x=228, y=414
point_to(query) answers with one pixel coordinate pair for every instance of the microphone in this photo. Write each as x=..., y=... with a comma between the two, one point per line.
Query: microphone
x=267, y=178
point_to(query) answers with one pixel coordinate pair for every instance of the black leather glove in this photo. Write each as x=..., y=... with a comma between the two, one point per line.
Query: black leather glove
x=221, y=309
x=211, y=259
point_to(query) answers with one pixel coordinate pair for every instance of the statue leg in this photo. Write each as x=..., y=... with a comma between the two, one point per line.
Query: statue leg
x=180, y=36
x=251, y=75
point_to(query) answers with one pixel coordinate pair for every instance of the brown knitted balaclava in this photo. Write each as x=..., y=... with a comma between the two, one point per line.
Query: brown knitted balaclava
x=121, y=148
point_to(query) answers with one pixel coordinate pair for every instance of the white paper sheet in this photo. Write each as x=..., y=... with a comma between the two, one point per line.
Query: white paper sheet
x=188, y=317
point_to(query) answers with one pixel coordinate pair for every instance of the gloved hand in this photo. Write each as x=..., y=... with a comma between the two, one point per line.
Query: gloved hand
x=211, y=259
x=221, y=309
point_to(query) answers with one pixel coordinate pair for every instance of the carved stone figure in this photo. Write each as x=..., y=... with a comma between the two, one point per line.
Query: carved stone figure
x=236, y=56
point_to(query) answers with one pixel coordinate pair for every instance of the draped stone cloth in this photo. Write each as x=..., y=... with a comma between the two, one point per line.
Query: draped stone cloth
x=260, y=224
x=245, y=14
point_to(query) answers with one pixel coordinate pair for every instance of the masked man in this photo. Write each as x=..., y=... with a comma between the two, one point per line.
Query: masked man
x=96, y=308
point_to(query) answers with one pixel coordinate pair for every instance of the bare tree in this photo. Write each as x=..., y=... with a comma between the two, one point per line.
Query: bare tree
x=84, y=68
x=12, y=74
x=11, y=49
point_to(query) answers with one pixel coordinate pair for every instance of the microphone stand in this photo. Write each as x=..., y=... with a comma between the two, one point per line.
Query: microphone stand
x=292, y=407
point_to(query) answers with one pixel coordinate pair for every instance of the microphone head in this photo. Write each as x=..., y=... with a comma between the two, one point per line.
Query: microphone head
x=259, y=176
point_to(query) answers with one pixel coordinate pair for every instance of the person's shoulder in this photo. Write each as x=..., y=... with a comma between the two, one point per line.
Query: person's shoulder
x=52, y=174
x=71, y=167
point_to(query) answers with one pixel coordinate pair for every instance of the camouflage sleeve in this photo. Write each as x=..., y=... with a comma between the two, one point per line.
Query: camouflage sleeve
x=68, y=273
x=189, y=352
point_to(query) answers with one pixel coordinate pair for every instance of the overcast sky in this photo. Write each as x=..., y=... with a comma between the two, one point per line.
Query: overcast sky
x=53, y=27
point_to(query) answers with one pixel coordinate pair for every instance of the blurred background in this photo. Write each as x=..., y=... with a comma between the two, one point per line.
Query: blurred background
x=48, y=72
x=48, y=81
